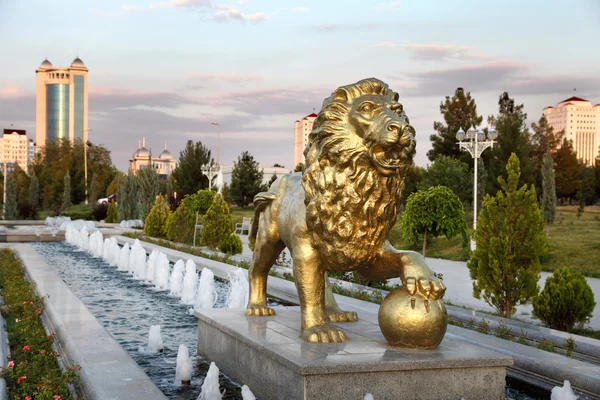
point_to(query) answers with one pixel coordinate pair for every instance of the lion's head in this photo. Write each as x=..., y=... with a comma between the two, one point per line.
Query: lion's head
x=359, y=150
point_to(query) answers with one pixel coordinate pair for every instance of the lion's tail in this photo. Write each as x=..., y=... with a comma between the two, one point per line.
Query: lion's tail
x=261, y=201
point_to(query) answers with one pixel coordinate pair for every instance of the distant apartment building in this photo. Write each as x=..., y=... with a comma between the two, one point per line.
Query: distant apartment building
x=164, y=164
x=301, y=131
x=581, y=123
x=16, y=149
x=61, y=102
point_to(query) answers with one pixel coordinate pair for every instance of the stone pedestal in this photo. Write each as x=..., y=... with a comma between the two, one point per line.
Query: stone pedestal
x=268, y=355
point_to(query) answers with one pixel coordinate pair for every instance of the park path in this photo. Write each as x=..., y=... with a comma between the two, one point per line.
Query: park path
x=460, y=287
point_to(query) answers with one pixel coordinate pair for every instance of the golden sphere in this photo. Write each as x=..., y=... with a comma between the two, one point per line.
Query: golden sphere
x=412, y=321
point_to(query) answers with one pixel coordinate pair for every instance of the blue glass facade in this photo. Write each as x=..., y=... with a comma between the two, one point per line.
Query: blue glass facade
x=57, y=111
x=78, y=107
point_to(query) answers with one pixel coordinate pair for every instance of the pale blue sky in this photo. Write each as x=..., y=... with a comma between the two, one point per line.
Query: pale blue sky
x=164, y=69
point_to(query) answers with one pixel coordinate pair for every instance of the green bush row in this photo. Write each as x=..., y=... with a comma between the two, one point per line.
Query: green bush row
x=33, y=369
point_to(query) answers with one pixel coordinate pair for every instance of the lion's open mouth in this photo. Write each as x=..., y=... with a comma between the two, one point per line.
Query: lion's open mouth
x=390, y=159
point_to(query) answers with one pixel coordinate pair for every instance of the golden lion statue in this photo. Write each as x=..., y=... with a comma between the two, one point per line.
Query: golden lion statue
x=336, y=214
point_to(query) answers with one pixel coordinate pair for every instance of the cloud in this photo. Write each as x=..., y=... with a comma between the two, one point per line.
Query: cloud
x=107, y=98
x=440, y=51
x=330, y=28
x=131, y=8
x=100, y=13
x=301, y=10
x=225, y=13
x=384, y=44
x=10, y=91
x=224, y=77
x=275, y=101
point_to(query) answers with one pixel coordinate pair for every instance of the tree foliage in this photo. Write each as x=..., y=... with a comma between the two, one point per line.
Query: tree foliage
x=542, y=139
x=34, y=191
x=67, y=192
x=155, y=224
x=246, y=180
x=548, y=201
x=10, y=207
x=232, y=244
x=181, y=223
x=513, y=137
x=148, y=186
x=510, y=239
x=459, y=111
x=431, y=213
x=566, y=169
x=273, y=179
x=113, y=186
x=482, y=178
x=299, y=167
x=201, y=201
x=217, y=223
x=412, y=180
x=452, y=173
x=111, y=213
x=128, y=198
x=566, y=300
x=93, y=195
x=188, y=176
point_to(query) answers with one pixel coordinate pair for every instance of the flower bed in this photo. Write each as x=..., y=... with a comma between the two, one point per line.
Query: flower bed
x=33, y=371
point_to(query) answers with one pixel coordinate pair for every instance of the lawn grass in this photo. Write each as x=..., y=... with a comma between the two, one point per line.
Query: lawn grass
x=237, y=213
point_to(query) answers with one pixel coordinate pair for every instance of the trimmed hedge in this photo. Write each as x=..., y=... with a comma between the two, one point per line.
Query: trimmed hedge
x=33, y=369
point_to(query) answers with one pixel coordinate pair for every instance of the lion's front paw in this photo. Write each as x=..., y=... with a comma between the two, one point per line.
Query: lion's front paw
x=259, y=311
x=431, y=287
x=323, y=334
x=339, y=315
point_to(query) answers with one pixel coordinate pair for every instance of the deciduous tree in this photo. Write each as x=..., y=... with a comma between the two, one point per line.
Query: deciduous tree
x=431, y=213
x=510, y=238
x=246, y=180
x=452, y=173
x=459, y=111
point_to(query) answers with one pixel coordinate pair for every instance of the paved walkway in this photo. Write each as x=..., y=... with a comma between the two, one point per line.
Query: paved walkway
x=460, y=287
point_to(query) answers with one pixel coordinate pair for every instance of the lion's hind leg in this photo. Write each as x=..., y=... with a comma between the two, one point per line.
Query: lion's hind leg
x=265, y=254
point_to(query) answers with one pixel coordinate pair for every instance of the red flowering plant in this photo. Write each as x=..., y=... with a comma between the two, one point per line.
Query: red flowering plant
x=33, y=372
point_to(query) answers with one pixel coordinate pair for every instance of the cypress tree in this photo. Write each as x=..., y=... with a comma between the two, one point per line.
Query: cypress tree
x=128, y=198
x=10, y=207
x=548, y=202
x=67, y=192
x=149, y=186
x=510, y=238
x=34, y=191
x=217, y=223
x=93, y=195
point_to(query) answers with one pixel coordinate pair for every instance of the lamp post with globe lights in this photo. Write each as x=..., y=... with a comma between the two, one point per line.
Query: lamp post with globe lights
x=474, y=141
x=210, y=170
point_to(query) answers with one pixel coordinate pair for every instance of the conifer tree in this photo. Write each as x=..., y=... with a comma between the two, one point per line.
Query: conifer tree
x=566, y=171
x=510, y=238
x=482, y=177
x=10, y=207
x=149, y=185
x=67, y=192
x=128, y=198
x=93, y=190
x=246, y=180
x=155, y=224
x=34, y=191
x=111, y=214
x=459, y=111
x=217, y=223
x=548, y=202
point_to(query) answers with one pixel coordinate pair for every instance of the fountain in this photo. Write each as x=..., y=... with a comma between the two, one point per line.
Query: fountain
x=106, y=250
x=139, y=270
x=151, y=271
x=210, y=387
x=162, y=272
x=83, y=239
x=183, y=370
x=247, y=393
x=238, y=294
x=135, y=256
x=369, y=396
x=114, y=252
x=205, y=295
x=123, y=258
x=176, y=281
x=190, y=281
x=563, y=393
x=155, y=342
x=96, y=244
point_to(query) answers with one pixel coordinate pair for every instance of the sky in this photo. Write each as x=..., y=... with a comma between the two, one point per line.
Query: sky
x=164, y=70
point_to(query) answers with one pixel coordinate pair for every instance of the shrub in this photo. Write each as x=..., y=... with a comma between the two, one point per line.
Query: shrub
x=33, y=368
x=111, y=213
x=78, y=214
x=217, y=223
x=156, y=221
x=100, y=211
x=180, y=225
x=231, y=244
x=567, y=299
x=26, y=210
x=200, y=201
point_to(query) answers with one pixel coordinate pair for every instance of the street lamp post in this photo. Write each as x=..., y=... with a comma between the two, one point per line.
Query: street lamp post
x=85, y=142
x=475, y=144
x=218, y=139
x=209, y=171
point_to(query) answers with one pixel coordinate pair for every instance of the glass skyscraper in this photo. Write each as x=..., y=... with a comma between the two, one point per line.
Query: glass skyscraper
x=61, y=102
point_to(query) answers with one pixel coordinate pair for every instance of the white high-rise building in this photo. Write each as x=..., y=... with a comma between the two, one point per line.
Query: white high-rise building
x=301, y=131
x=581, y=123
x=16, y=148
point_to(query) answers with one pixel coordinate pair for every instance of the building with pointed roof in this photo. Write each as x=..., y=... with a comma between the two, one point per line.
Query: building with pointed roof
x=142, y=158
x=302, y=129
x=61, y=102
x=581, y=122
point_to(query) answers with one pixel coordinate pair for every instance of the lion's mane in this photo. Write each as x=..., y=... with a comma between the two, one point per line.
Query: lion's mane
x=350, y=207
